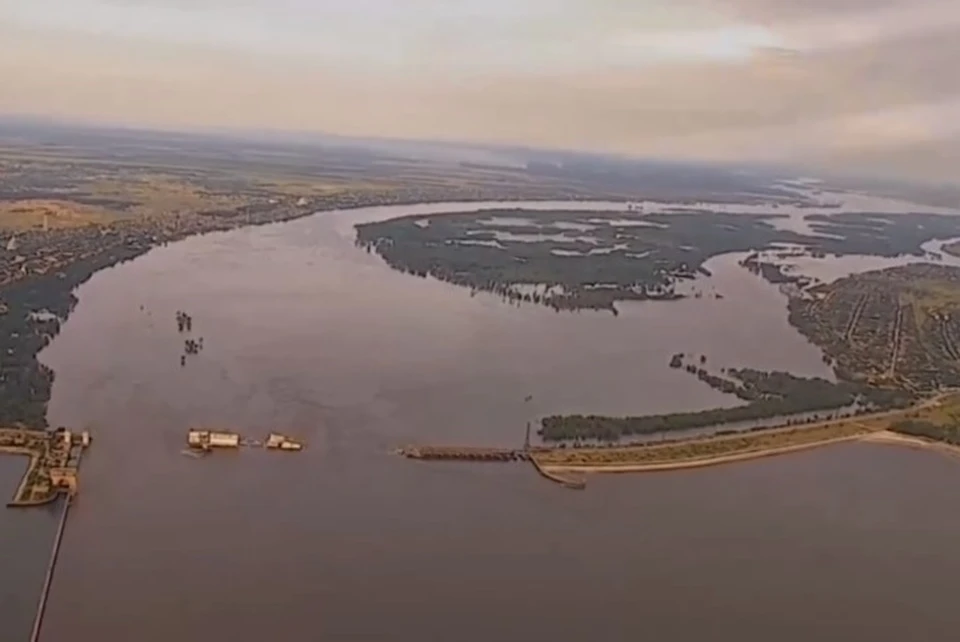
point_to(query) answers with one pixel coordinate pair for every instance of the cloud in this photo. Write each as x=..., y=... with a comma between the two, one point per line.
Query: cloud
x=870, y=81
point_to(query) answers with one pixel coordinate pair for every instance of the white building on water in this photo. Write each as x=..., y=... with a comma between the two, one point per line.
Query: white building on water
x=206, y=439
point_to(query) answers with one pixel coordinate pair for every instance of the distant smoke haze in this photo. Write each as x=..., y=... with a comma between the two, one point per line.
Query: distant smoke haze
x=830, y=82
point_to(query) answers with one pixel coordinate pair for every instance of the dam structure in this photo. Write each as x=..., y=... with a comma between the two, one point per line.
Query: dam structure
x=54, y=462
x=50, y=475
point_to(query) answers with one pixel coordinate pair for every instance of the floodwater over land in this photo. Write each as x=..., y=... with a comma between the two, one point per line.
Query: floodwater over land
x=837, y=267
x=308, y=335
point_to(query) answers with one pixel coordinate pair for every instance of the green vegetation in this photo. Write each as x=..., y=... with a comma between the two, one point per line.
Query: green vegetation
x=591, y=259
x=938, y=422
x=880, y=234
x=915, y=428
x=889, y=334
x=771, y=272
x=693, y=450
x=953, y=249
x=74, y=201
x=584, y=259
x=34, y=310
x=82, y=202
x=771, y=395
x=895, y=327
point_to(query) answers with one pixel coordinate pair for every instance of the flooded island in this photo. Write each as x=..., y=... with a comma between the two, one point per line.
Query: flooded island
x=887, y=334
x=573, y=260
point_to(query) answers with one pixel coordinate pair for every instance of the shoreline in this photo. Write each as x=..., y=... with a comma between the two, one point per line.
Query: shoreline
x=867, y=433
x=920, y=403
x=567, y=467
x=880, y=436
x=81, y=270
x=704, y=462
x=891, y=438
x=54, y=291
x=552, y=475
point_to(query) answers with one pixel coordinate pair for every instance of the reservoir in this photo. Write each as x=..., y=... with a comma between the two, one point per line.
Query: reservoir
x=307, y=335
x=26, y=537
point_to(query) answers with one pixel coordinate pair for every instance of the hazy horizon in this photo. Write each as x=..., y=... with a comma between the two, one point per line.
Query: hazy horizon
x=855, y=85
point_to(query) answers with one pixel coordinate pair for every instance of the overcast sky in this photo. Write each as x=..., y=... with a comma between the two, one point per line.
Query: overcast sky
x=864, y=84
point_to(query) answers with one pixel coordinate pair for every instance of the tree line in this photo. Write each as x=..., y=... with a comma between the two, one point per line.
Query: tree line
x=770, y=395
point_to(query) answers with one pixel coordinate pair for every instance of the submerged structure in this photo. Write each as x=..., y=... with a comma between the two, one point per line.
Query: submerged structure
x=276, y=441
x=207, y=440
x=54, y=462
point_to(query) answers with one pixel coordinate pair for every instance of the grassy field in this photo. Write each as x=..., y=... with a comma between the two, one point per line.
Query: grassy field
x=27, y=214
x=932, y=295
x=102, y=179
x=47, y=189
x=946, y=412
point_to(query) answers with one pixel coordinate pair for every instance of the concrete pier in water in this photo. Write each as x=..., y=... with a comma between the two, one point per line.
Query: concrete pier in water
x=464, y=453
x=475, y=454
x=51, y=568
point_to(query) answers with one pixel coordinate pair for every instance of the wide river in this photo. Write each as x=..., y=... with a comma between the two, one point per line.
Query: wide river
x=306, y=334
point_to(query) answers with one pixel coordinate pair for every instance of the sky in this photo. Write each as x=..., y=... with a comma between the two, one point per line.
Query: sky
x=864, y=85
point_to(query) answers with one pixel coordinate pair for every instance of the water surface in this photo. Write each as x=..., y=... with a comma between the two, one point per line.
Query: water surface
x=308, y=335
x=26, y=536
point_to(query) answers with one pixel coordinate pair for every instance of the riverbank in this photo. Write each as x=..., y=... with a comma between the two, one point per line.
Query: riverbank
x=778, y=399
x=286, y=299
x=724, y=449
x=897, y=439
x=566, y=469
x=38, y=278
x=558, y=476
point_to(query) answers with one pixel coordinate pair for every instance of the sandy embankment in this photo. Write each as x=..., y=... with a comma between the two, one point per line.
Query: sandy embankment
x=877, y=436
x=897, y=439
x=562, y=469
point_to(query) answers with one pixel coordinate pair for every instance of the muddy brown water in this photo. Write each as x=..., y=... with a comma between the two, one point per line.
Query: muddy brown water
x=306, y=334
